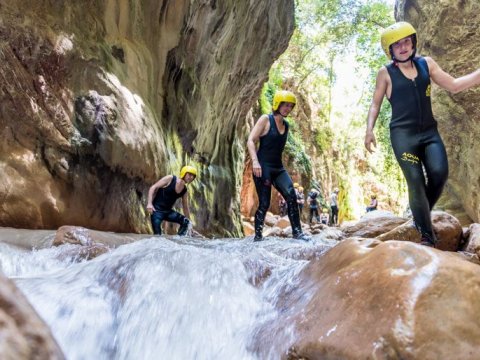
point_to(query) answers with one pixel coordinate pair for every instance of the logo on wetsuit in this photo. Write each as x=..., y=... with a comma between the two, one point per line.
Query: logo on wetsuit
x=428, y=91
x=410, y=158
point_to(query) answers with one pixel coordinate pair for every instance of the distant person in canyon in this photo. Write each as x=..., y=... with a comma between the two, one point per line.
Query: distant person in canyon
x=300, y=200
x=162, y=196
x=324, y=216
x=373, y=203
x=334, y=206
x=313, y=205
x=413, y=130
x=271, y=131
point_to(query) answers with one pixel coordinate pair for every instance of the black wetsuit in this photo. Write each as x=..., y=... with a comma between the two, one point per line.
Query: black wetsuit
x=163, y=203
x=273, y=173
x=314, y=207
x=416, y=142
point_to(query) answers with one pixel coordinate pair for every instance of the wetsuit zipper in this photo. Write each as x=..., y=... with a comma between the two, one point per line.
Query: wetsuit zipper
x=417, y=97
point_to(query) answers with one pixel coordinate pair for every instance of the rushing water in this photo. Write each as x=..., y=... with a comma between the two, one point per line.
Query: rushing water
x=159, y=298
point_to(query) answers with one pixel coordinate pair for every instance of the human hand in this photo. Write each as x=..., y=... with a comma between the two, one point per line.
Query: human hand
x=369, y=141
x=150, y=208
x=257, y=169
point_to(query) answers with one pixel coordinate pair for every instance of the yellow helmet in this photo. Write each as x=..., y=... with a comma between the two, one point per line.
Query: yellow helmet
x=283, y=96
x=187, y=169
x=296, y=185
x=396, y=32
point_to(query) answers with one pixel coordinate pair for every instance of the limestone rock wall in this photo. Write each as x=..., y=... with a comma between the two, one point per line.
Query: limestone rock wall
x=100, y=99
x=448, y=31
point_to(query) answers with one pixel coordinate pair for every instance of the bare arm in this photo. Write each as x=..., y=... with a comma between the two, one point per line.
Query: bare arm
x=380, y=91
x=186, y=210
x=254, y=137
x=153, y=190
x=448, y=82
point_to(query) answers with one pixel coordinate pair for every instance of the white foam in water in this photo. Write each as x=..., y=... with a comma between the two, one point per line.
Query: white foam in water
x=153, y=299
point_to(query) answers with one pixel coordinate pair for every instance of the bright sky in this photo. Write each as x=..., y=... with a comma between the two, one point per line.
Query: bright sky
x=348, y=87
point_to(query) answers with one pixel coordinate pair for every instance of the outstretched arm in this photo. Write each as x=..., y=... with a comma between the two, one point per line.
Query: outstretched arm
x=380, y=91
x=254, y=136
x=448, y=82
x=153, y=190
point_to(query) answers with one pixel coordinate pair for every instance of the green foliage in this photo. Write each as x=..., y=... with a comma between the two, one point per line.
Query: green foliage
x=323, y=139
x=273, y=84
x=266, y=98
x=295, y=148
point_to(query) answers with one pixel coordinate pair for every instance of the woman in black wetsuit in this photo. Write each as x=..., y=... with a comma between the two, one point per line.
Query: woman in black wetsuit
x=272, y=131
x=413, y=130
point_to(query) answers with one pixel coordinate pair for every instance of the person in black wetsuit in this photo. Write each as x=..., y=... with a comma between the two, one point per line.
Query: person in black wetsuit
x=272, y=131
x=162, y=196
x=413, y=130
x=313, y=205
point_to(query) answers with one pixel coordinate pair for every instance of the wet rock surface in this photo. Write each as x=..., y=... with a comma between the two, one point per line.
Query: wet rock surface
x=447, y=229
x=350, y=298
x=24, y=335
x=416, y=302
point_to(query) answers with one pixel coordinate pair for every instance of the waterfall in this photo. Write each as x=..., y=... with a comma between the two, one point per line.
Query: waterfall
x=159, y=298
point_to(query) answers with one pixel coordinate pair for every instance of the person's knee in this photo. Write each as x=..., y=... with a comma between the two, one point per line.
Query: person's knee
x=438, y=176
x=157, y=227
x=291, y=196
x=156, y=224
x=263, y=206
x=415, y=177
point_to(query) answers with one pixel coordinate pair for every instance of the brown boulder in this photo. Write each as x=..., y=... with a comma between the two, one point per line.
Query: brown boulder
x=287, y=232
x=87, y=252
x=473, y=243
x=248, y=228
x=23, y=333
x=283, y=222
x=371, y=226
x=392, y=300
x=405, y=232
x=271, y=219
x=447, y=229
x=78, y=235
x=332, y=233
x=319, y=227
x=274, y=231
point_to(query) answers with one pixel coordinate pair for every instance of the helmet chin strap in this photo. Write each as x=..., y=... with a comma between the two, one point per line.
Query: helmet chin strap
x=410, y=58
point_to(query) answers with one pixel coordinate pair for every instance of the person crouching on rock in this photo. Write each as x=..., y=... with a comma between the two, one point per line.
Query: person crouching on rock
x=272, y=131
x=373, y=203
x=162, y=196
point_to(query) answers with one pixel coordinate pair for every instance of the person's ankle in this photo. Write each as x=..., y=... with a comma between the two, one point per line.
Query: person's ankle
x=258, y=238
